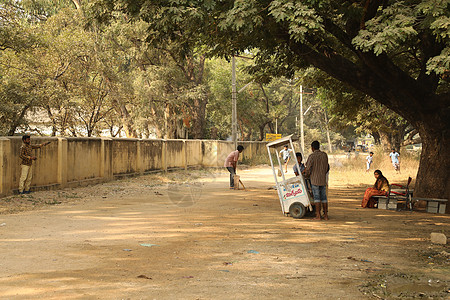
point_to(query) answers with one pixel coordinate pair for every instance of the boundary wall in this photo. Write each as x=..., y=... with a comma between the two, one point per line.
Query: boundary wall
x=69, y=162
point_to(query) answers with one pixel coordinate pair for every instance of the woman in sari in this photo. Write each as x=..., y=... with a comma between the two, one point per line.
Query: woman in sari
x=380, y=188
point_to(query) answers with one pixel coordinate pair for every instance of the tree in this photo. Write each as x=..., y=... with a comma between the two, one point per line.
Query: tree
x=17, y=90
x=259, y=104
x=397, y=52
x=349, y=107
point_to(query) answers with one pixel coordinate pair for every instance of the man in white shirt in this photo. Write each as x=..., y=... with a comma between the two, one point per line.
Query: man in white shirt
x=286, y=155
x=369, y=161
x=395, y=161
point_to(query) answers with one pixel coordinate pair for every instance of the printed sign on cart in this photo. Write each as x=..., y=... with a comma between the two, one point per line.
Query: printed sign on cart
x=296, y=191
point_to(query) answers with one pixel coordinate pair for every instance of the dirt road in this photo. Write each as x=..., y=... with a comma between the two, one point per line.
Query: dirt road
x=149, y=238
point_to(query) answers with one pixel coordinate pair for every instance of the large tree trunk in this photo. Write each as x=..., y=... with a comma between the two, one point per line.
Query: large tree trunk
x=18, y=120
x=156, y=123
x=261, y=132
x=376, y=137
x=385, y=140
x=127, y=120
x=414, y=100
x=199, y=118
x=433, y=177
x=170, y=122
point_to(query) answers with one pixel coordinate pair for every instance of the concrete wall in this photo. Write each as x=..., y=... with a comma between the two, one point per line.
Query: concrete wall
x=83, y=158
x=151, y=155
x=79, y=161
x=125, y=156
x=194, y=153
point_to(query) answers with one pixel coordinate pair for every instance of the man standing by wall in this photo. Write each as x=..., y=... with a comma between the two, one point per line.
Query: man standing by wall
x=231, y=162
x=317, y=168
x=26, y=164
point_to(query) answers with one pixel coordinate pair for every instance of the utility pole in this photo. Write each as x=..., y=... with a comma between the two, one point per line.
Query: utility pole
x=234, y=98
x=233, y=103
x=302, y=136
x=328, y=131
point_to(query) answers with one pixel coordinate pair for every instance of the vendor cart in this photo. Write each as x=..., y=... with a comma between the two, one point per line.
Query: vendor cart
x=293, y=194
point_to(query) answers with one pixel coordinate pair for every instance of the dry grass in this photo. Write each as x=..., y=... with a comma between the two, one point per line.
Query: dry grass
x=351, y=171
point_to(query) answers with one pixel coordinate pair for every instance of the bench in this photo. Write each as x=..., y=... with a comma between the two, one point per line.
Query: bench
x=391, y=202
x=397, y=194
x=434, y=205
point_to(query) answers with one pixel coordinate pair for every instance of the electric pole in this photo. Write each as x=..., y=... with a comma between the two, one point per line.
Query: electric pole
x=328, y=131
x=233, y=103
x=302, y=137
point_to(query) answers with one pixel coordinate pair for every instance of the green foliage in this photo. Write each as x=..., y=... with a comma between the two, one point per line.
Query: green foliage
x=143, y=66
x=15, y=101
x=219, y=105
x=301, y=19
x=388, y=31
x=440, y=64
x=348, y=107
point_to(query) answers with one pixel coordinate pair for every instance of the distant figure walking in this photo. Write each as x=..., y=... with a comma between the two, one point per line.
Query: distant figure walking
x=231, y=163
x=369, y=161
x=286, y=155
x=380, y=188
x=317, y=168
x=395, y=161
x=27, y=163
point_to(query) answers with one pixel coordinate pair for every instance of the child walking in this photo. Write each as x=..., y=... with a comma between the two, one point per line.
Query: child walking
x=369, y=161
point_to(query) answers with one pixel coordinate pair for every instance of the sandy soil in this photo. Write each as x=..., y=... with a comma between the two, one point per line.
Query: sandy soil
x=185, y=235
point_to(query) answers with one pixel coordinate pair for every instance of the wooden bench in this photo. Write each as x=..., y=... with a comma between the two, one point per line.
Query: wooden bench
x=434, y=205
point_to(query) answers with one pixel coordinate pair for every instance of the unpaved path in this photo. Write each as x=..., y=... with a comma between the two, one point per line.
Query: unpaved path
x=140, y=239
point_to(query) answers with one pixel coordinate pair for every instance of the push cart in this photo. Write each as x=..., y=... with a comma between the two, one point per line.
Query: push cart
x=293, y=194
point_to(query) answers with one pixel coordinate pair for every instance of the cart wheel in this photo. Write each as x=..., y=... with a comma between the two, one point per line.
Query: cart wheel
x=297, y=210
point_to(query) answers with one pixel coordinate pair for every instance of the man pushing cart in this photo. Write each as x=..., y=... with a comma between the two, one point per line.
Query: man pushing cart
x=292, y=192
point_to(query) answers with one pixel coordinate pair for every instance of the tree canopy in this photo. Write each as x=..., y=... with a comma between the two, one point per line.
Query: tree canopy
x=396, y=52
x=143, y=65
x=78, y=77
